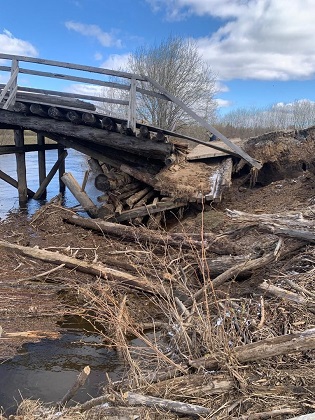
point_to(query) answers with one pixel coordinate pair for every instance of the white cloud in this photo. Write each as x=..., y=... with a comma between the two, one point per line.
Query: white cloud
x=180, y=9
x=289, y=105
x=257, y=39
x=116, y=62
x=222, y=103
x=85, y=89
x=11, y=45
x=221, y=87
x=106, y=39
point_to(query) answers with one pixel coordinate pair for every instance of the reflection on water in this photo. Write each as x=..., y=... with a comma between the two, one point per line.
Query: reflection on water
x=76, y=163
x=48, y=369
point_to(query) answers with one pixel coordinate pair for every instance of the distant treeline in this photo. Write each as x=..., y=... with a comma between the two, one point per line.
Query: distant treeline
x=252, y=122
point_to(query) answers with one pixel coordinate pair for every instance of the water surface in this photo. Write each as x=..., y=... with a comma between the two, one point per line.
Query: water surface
x=46, y=370
x=76, y=163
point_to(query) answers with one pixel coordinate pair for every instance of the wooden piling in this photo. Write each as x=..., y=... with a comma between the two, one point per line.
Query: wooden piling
x=62, y=169
x=41, y=162
x=20, y=166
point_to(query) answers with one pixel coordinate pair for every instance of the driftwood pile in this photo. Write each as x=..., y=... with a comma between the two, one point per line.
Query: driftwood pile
x=226, y=323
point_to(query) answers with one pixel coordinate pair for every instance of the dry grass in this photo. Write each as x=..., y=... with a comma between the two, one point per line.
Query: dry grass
x=214, y=326
x=7, y=138
x=157, y=335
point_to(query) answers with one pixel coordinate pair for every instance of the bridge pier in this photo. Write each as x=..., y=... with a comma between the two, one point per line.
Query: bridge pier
x=41, y=162
x=62, y=169
x=20, y=166
x=20, y=149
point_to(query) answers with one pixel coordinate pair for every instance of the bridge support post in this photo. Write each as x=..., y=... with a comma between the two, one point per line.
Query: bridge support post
x=41, y=162
x=21, y=166
x=62, y=169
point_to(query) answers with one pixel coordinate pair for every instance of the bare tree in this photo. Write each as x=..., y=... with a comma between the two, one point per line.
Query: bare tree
x=248, y=122
x=178, y=67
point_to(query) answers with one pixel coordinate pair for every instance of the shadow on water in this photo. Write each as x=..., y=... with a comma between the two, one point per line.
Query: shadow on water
x=47, y=370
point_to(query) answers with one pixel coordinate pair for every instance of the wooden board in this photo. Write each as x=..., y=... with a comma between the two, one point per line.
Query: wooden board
x=204, y=152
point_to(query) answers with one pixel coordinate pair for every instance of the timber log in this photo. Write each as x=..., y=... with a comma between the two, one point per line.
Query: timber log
x=132, y=144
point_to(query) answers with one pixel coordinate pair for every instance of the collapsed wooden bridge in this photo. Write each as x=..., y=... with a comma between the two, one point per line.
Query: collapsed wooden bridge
x=141, y=169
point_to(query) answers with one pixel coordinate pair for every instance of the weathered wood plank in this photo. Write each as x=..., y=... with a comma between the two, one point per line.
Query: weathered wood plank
x=212, y=150
x=66, y=65
x=41, y=161
x=270, y=347
x=146, y=210
x=69, y=95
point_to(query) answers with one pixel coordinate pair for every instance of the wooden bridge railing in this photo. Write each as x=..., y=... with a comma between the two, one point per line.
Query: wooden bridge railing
x=11, y=91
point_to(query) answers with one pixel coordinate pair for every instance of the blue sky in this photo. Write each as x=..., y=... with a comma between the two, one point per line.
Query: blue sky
x=262, y=51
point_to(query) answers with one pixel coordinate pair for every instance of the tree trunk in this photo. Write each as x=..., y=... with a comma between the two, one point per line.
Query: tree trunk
x=21, y=107
x=169, y=405
x=38, y=110
x=74, y=117
x=132, y=233
x=90, y=119
x=109, y=124
x=124, y=279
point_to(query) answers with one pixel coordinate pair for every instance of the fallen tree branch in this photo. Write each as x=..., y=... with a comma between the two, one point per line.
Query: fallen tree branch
x=194, y=385
x=309, y=416
x=132, y=233
x=264, y=349
x=29, y=334
x=243, y=267
x=268, y=414
x=293, y=225
x=124, y=279
x=272, y=290
x=80, y=381
x=169, y=405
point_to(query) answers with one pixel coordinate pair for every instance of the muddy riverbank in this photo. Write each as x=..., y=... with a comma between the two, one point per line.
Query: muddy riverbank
x=216, y=291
